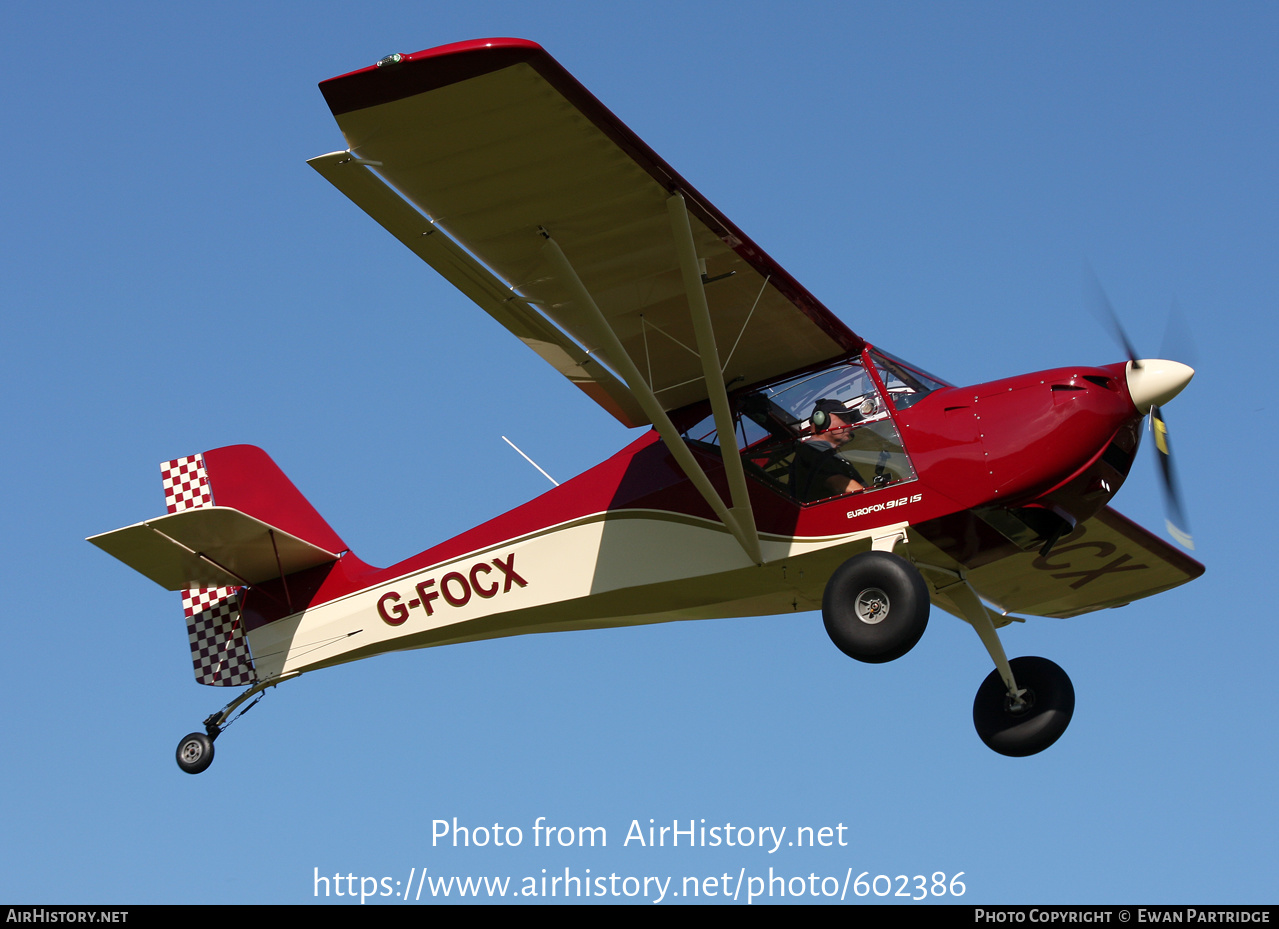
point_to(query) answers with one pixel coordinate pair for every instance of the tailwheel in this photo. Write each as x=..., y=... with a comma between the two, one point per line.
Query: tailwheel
x=195, y=752
x=1030, y=721
x=875, y=607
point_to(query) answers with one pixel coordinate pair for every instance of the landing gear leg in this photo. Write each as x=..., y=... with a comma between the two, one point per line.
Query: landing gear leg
x=1024, y=705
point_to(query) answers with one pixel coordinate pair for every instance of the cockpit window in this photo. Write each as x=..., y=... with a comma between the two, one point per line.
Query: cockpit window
x=825, y=433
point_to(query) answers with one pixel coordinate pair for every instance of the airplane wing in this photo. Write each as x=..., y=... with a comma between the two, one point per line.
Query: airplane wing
x=1108, y=561
x=475, y=155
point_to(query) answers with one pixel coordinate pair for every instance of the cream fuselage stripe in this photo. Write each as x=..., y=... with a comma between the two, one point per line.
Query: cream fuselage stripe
x=602, y=554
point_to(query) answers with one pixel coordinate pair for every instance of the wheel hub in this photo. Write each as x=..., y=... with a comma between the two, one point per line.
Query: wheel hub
x=1022, y=702
x=872, y=606
x=192, y=751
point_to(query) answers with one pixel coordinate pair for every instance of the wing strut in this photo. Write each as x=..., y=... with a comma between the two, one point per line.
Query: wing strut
x=740, y=522
x=708, y=351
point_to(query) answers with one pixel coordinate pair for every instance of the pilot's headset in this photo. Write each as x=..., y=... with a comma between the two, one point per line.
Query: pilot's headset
x=823, y=409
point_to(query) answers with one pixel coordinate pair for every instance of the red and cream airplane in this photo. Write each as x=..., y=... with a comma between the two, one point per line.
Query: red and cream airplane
x=789, y=465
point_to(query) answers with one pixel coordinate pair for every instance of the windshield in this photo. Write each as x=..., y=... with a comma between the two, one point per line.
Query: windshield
x=906, y=385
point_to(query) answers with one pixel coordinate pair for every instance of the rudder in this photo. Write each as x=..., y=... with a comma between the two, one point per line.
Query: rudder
x=219, y=651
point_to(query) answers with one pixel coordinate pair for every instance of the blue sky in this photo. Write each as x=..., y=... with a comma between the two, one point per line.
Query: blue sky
x=938, y=174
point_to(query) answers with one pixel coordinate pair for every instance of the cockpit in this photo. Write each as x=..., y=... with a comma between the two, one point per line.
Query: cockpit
x=827, y=432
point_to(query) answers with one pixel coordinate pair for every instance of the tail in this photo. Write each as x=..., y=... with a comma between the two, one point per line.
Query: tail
x=245, y=478
x=249, y=481
x=233, y=519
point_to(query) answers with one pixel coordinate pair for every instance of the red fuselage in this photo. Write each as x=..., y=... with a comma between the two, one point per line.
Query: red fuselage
x=1059, y=441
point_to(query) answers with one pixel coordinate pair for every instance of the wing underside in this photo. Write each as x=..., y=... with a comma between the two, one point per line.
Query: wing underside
x=1106, y=562
x=475, y=155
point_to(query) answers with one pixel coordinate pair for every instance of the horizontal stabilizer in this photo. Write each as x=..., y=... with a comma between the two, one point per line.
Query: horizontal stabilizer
x=211, y=546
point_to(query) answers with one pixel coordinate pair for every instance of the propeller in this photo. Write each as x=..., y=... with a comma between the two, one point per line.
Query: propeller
x=1152, y=382
x=1175, y=521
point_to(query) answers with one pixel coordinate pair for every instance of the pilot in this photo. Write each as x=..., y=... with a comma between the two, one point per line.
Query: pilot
x=818, y=470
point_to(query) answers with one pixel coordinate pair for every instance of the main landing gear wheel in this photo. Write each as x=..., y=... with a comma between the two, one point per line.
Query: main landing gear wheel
x=875, y=607
x=195, y=752
x=1038, y=721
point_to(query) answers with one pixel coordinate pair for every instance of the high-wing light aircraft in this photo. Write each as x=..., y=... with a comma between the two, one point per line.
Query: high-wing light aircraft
x=789, y=465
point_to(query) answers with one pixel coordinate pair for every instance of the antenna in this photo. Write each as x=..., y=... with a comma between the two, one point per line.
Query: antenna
x=530, y=461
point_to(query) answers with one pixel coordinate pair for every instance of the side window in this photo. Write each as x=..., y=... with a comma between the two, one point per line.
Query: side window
x=818, y=435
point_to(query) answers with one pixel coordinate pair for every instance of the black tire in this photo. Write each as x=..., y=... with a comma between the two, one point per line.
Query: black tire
x=875, y=607
x=1017, y=734
x=195, y=752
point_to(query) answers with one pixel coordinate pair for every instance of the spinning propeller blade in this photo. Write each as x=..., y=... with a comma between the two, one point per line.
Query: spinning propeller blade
x=1106, y=313
x=1152, y=383
x=1178, y=528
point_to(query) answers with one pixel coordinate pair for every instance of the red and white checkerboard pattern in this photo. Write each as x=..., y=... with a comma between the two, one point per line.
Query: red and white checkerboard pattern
x=186, y=485
x=219, y=651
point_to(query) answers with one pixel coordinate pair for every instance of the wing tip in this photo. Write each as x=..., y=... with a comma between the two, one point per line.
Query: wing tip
x=425, y=70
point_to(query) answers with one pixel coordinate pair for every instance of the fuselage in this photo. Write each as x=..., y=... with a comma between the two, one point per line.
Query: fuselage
x=631, y=541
